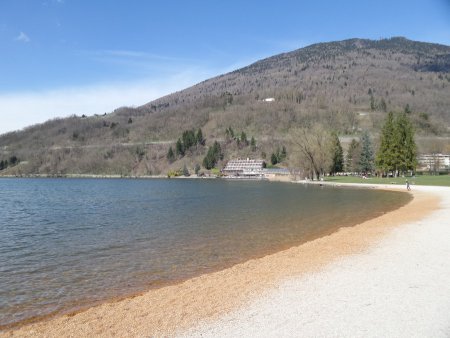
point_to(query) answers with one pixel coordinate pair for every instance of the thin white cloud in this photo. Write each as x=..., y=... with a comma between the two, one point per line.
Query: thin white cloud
x=140, y=63
x=22, y=37
x=19, y=110
x=121, y=53
x=132, y=56
x=24, y=108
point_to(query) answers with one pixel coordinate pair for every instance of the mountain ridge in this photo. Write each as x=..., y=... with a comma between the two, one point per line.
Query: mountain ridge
x=396, y=43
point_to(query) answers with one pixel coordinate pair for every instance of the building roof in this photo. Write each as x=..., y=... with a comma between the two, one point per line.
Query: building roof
x=244, y=165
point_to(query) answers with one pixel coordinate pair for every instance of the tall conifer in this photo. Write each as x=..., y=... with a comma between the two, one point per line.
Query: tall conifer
x=353, y=156
x=398, y=150
x=366, y=160
x=199, y=137
x=338, y=155
x=386, y=155
x=179, y=148
x=406, y=146
x=170, y=155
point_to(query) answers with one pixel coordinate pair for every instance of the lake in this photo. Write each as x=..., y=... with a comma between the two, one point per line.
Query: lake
x=69, y=243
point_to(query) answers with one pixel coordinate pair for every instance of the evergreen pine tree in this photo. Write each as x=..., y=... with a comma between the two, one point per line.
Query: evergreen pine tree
x=406, y=148
x=199, y=137
x=13, y=160
x=353, y=156
x=253, y=144
x=273, y=159
x=244, y=140
x=218, y=151
x=338, y=155
x=366, y=160
x=179, y=149
x=373, y=105
x=207, y=160
x=398, y=150
x=189, y=139
x=170, y=155
x=385, y=159
x=213, y=155
x=383, y=105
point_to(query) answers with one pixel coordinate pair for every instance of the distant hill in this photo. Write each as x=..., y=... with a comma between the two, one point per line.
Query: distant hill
x=346, y=85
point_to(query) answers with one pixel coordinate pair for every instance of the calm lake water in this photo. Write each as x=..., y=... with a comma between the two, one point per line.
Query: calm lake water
x=66, y=243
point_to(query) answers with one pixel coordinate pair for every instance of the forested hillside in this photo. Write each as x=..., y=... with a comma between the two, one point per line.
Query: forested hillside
x=346, y=86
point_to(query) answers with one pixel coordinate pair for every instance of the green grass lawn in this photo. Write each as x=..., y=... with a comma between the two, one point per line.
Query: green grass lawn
x=442, y=180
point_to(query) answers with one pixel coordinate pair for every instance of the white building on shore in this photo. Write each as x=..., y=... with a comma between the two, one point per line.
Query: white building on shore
x=244, y=168
x=433, y=162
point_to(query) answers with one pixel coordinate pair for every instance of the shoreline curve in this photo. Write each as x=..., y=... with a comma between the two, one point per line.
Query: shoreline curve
x=176, y=308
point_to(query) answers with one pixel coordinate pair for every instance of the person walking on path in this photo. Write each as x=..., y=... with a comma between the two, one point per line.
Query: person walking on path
x=407, y=185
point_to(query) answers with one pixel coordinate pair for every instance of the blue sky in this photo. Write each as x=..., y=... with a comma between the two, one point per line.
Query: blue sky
x=62, y=57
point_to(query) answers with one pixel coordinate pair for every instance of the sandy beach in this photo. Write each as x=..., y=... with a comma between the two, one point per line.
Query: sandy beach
x=389, y=276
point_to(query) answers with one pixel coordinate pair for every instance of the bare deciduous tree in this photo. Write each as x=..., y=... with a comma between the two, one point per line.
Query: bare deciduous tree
x=311, y=150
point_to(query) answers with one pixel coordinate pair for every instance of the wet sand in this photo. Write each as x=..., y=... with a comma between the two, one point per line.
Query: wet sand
x=206, y=299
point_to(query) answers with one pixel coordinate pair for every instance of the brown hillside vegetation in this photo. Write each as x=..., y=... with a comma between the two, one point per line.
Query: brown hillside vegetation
x=347, y=86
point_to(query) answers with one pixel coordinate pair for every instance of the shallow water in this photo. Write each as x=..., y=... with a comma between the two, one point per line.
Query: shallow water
x=66, y=243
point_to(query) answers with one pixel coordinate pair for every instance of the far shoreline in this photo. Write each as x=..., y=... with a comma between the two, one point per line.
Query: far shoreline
x=329, y=181
x=367, y=184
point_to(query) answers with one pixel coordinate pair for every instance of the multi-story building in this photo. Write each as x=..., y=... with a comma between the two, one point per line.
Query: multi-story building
x=433, y=162
x=245, y=168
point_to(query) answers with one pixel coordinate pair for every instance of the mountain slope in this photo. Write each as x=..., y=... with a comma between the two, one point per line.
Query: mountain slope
x=346, y=85
x=345, y=69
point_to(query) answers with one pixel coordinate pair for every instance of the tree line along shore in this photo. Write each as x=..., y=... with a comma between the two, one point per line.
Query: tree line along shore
x=314, y=152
